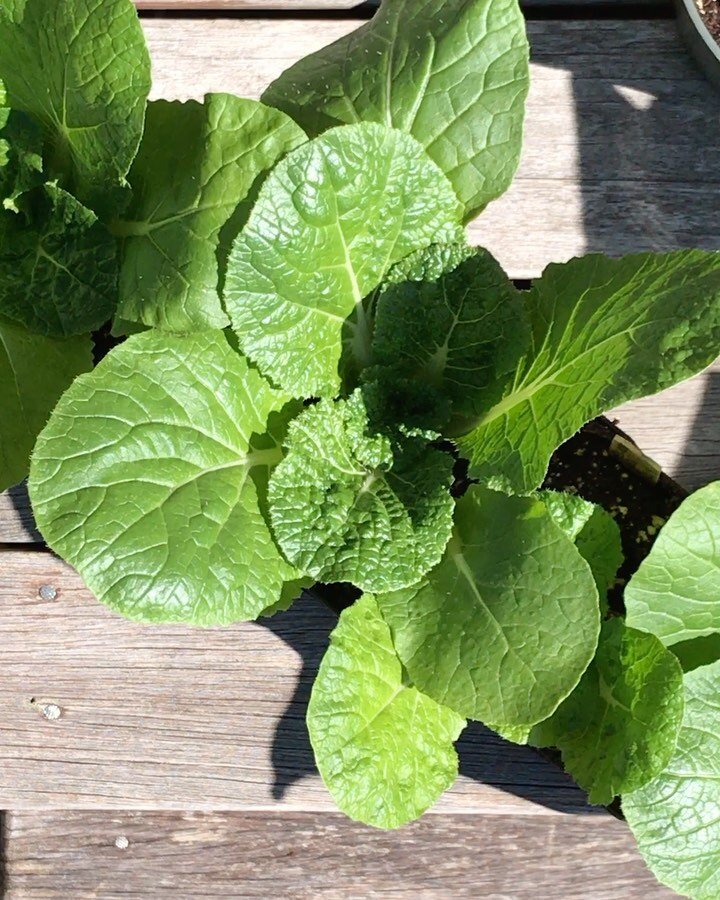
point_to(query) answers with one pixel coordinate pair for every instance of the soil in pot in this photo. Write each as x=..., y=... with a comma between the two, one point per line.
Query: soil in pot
x=710, y=12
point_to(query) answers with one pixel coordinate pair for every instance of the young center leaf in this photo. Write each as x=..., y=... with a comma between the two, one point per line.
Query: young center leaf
x=348, y=504
x=604, y=331
x=34, y=371
x=143, y=480
x=618, y=728
x=675, y=593
x=81, y=69
x=676, y=817
x=196, y=165
x=453, y=73
x=595, y=533
x=58, y=265
x=329, y=222
x=384, y=749
x=503, y=628
x=450, y=319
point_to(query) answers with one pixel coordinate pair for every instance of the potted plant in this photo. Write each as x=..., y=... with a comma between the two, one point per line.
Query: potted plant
x=314, y=379
x=699, y=24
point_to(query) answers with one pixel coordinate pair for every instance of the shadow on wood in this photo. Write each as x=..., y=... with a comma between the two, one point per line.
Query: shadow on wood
x=484, y=757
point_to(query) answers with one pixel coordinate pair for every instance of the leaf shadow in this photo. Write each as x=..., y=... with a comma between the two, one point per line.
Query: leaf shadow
x=484, y=756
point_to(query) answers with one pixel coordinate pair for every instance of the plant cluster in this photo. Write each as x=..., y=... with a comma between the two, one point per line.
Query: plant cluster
x=304, y=343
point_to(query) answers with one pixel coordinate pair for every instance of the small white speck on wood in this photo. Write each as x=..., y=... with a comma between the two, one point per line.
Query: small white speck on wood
x=47, y=592
x=121, y=842
x=51, y=711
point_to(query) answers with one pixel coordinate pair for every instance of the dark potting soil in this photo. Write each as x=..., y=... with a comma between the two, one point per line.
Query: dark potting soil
x=710, y=12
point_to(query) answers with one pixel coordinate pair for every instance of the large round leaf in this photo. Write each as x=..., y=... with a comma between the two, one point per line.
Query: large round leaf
x=503, y=628
x=330, y=220
x=144, y=481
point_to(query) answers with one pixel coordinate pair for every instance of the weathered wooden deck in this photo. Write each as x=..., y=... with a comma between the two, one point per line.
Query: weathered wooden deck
x=143, y=762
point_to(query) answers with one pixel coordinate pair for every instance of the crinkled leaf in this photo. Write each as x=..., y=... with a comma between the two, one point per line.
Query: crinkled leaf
x=34, y=371
x=142, y=480
x=595, y=533
x=676, y=817
x=196, y=166
x=453, y=73
x=451, y=319
x=604, y=331
x=618, y=728
x=58, y=266
x=81, y=69
x=675, y=593
x=348, y=504
x=384, y=750
x=330, y=220
x=503, y=628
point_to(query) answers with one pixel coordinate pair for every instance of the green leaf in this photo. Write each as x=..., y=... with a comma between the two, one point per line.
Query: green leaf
x=453, y=73
x=196, y=167
x=143, y=480
x=676, y=817
x=81, y=69
x=349, y=504
x=452, y=320
x=503, y=628
x=698, y=651
x=675, y=593
x=58, y=266
x=20, y=155
x=604, y=331
x=329, y=222
x=384, y=750
x=595, y=533
x=34, y=372
x=618, y=728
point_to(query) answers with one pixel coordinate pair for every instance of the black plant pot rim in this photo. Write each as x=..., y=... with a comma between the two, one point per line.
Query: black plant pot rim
x=699, y=40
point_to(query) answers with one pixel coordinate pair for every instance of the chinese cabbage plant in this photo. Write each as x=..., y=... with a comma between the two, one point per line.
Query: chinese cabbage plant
x=304, y=350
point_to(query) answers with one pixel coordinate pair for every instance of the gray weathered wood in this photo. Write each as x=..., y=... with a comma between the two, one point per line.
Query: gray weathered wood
x=305, y=856
x=176, y=718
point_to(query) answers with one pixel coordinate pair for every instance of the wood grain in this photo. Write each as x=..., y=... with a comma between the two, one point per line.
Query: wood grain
x=176, y=718
x=622, y=140
x=305, y=856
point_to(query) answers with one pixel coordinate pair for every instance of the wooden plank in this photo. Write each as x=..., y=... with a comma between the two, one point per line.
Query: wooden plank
x=101, y=712
x=304, y=856
x=622, y=136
